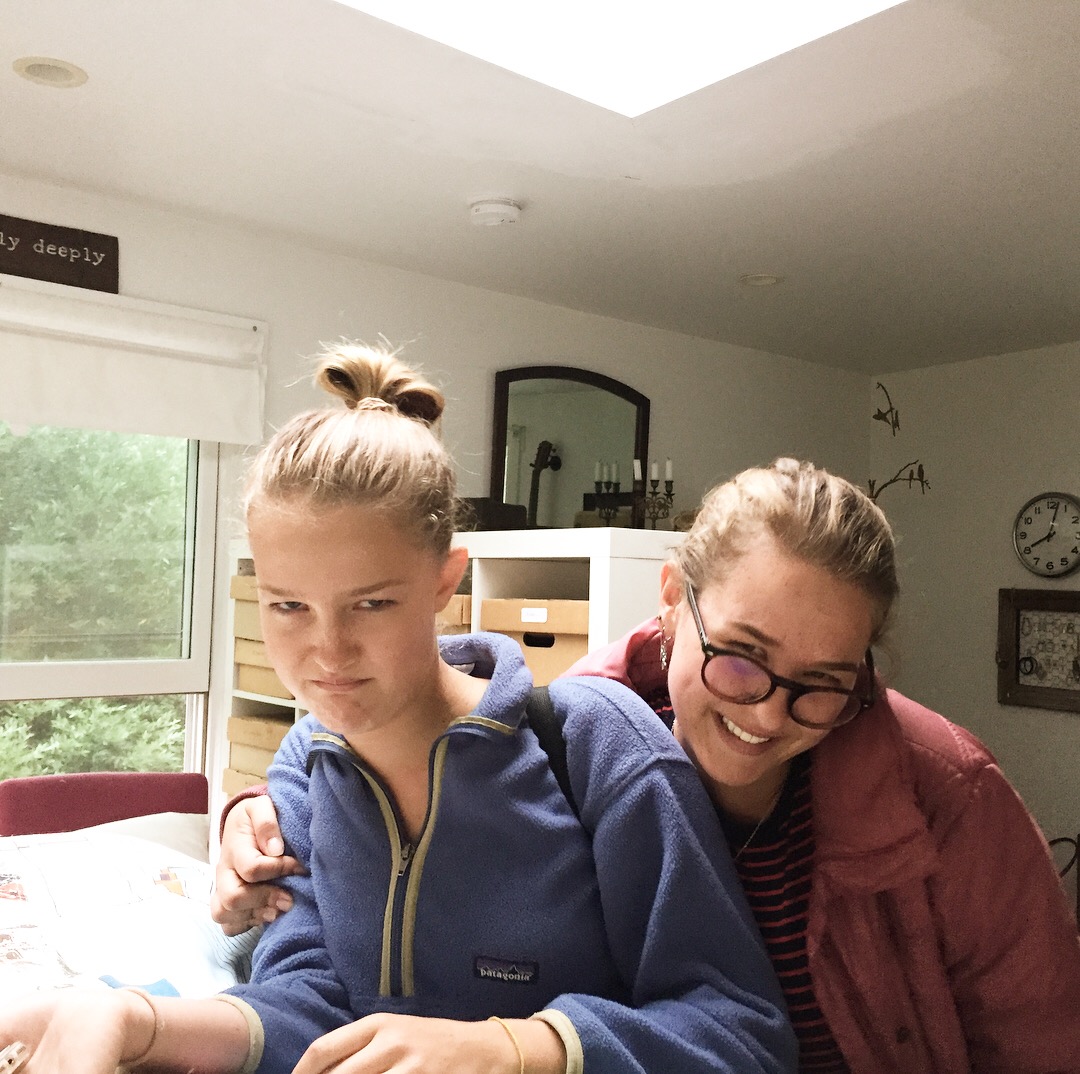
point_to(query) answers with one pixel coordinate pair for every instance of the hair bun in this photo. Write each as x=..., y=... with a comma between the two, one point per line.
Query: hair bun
x=372, y=378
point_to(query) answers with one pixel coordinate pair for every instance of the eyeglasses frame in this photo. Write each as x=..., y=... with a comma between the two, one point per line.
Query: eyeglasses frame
x=795, y=689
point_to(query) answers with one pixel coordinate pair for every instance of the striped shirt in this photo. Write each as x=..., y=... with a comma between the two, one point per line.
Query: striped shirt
x=775, y=870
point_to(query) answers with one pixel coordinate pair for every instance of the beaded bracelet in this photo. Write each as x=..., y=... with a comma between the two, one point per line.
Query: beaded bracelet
x=513, y=1040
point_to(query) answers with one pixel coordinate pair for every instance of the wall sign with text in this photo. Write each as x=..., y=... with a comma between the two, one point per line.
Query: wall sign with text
x=59, y=254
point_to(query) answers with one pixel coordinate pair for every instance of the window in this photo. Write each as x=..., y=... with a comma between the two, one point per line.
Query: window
x=106, y=544
x=110, y=420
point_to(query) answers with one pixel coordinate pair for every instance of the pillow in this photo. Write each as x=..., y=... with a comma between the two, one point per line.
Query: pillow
x=188, y=833
x=102, y=906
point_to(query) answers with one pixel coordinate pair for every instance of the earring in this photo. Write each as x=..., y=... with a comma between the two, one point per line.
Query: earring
x=663, y=645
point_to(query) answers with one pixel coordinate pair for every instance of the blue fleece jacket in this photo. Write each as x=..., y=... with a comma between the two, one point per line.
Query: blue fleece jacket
x=631, y=922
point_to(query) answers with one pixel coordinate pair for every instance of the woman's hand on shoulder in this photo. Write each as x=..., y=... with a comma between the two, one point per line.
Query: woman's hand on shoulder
x=252, y=855
x=399, y=1043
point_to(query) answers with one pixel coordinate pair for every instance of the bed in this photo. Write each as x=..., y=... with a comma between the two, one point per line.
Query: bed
x=122, y=903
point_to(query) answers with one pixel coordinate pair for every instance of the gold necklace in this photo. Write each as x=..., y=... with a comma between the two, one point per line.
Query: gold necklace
x=757, y=827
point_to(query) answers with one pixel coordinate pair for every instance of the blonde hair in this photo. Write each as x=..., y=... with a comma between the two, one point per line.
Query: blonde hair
x=812, y=514
x=378, y=450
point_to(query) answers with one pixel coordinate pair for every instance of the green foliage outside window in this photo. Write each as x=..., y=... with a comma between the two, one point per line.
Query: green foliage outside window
x=93, y=547
x=93, y=734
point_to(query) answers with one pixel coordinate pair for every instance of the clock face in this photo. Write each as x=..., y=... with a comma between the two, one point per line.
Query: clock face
x=1046, y=534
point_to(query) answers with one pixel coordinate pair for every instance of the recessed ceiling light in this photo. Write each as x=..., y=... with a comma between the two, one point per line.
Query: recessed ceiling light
x=759, y=279
x=48, y=72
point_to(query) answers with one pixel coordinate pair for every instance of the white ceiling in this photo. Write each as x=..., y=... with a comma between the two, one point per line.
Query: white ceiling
x=913, y=177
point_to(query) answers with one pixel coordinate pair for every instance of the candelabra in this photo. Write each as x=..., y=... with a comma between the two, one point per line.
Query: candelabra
x=607, y=500
x=657, y=504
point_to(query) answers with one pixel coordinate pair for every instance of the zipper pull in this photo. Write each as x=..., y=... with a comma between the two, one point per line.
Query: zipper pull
x=406, y=857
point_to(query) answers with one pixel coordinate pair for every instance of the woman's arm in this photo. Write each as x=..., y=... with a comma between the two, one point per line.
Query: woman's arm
x=252, y=855
x=1009, y=939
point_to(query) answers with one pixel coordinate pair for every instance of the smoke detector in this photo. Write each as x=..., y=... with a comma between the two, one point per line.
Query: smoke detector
x=487, y=212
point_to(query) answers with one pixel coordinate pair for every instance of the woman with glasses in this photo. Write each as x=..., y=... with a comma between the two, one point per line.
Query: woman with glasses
x=906, y=897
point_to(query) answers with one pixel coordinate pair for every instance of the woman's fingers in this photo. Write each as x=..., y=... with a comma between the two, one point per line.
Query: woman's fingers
x=242, y=895
x=263, y=819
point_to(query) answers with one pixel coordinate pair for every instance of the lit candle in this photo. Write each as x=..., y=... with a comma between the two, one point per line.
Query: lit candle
x=596, y=474
x=637, y=469
x=667, y=470
x=615, y=472
x=654, y=472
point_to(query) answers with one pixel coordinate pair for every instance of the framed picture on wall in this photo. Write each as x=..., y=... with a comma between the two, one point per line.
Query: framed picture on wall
x=1038, y=648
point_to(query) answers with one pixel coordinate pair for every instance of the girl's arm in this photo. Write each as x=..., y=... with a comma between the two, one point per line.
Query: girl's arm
x=94, y=1031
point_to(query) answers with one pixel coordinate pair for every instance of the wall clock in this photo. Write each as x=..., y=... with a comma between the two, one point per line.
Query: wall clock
x=1046, y=534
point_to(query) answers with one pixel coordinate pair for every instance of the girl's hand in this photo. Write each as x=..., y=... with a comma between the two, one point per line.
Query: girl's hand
x=252, y=853
x=88, y=1031
x=404, y=1044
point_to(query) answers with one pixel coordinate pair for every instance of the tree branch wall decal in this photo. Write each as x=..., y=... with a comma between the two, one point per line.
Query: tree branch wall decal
x=911, y=472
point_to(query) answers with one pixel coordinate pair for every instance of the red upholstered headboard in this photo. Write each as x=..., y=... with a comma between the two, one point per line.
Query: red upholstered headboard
x=38, y=804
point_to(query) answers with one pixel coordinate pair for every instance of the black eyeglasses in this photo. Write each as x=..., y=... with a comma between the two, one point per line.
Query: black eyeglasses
x=734, y=677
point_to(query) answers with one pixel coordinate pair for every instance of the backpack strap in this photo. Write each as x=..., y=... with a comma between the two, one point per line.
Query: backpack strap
x=542, y=718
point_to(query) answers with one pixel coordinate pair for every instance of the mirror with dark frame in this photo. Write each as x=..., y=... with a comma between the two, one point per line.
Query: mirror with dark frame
x=553, y=427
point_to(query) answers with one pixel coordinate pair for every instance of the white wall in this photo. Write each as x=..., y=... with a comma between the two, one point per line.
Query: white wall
x=991, y=433
x=715, y=408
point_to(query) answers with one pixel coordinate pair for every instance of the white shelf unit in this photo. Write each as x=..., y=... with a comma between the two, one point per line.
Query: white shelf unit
x=266, y=708
x=616, y=570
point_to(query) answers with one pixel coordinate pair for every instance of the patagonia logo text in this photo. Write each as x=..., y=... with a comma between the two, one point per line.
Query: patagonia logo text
x=516, y=971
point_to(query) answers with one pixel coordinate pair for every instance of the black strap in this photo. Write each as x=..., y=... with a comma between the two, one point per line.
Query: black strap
x=540, y=713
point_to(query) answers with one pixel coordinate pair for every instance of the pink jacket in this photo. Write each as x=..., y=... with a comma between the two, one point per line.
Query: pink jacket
x=939, y=936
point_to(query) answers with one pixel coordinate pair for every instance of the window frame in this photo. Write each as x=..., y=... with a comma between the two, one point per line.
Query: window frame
x=189, y=675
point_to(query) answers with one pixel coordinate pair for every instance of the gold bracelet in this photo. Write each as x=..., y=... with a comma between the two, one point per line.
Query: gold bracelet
x=158, y=1023
x=513, y=1040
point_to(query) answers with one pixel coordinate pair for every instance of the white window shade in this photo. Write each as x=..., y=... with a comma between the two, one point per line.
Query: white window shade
x=85, y=359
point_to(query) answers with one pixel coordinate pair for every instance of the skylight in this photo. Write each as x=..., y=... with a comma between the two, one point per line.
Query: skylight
x=625, y=56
